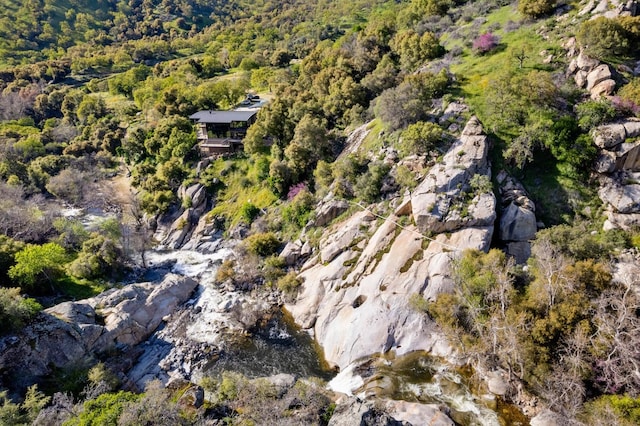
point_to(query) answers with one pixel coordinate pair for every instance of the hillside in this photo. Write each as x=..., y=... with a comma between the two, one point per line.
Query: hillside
x=434, y=190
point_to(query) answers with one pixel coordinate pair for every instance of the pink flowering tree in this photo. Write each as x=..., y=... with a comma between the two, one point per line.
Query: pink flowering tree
x=485, y=43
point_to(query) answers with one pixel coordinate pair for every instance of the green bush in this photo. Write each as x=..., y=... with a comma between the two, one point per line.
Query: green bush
x=535, y=8
x=15, y=310
x=263, y=243
x=248, y=212
x=631, y=91
x=594, y=113
x=273, y=269
x=622, y=410
x=367, y=186
x=37, y=265
x=104, y=410
x=298, y=210
x=602, y=38
x=289, y=283
x=420, y=138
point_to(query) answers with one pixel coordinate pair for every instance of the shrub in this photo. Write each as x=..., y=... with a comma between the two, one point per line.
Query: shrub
x=38, y=264
x=485, y=43
x=602, y=38
x=421, y=137
x=15, y=310
x=594, y=113
x=631, y=92
x=289, y=283
x=535, y=8
x=263, y=243
x=273, y=269
x=105, y=409
x=226, y=271
x=298, y=210
x=248, y=212
x=367, y=186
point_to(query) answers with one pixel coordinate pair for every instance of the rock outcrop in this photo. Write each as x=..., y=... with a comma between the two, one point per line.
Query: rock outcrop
x=588, y=73
x=445, y=200
x=350, y=411
x=610, y=8
x=357, y=287
x=73, y=332
x=188, y=227
x=518, y=225
x=619, y=166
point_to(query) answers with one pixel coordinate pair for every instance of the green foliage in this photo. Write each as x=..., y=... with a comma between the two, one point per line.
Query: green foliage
x=323, y=175
x=297, y=211
x=622, y=410
x=263, y=243
x=289, y=283
x=421, y=137
x=273, y=269
x=103, y=410
x=310, y=143
x=99, y=257
x=409, y=102
x=15, y=310
x=480, y=184
x=36, y=265
x=583, y=242
x=594, y=113
x=431, y=7
x=535, y=8
x=631, y=91
x=9, y=411
x=415, y=49
x=248, y=212
x=8, y=248
x=603, y=38
x=575, y=152
x=367, y=186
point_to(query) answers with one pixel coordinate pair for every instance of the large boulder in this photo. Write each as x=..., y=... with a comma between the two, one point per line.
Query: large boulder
x=609, y=135
x=329, y=210
x=599, y=74
x=603, y=88
x=622, y=198
x=518, y=223
x=73, y=332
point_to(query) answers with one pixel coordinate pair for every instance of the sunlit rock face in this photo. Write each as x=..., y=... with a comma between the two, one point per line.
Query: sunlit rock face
x=358, y=286
x=72, y=332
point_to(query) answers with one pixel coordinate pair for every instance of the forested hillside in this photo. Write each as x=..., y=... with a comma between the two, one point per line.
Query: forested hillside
x=365, y=101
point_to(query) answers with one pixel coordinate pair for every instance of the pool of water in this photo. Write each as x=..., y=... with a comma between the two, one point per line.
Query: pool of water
x=275, y=346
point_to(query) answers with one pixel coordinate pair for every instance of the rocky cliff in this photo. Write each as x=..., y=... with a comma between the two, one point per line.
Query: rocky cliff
x=358, y=285
x=72, y=333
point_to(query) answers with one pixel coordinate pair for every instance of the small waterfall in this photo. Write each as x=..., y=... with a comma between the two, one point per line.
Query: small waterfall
x=417, y=377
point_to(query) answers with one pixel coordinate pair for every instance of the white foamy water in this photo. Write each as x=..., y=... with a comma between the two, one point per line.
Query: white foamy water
x=346, y=381
x=445, y=386
x=199, y=266
x=211, y=303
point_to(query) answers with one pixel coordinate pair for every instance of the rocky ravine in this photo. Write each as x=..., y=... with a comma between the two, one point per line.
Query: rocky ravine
x=356, y=291
x=71, y=333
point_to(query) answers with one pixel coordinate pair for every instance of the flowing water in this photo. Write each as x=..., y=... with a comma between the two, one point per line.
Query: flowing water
x=418, y=377
x=275, y=345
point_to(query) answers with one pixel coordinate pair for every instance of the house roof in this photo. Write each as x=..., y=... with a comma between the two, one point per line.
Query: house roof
x=210, y=116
